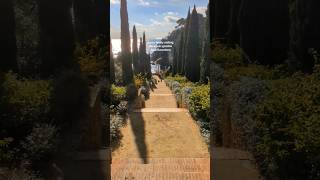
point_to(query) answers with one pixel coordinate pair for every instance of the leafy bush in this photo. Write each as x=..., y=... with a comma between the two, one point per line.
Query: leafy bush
x=116, y=122
x=118, y=94
x=179, y=79
x=122, y=108
x=227, y=57
x=19, y=173
x=41, y=143
x=139, y=80
x=199, y=102
x=92, y=60
x=288, y=125
x=24, y=102
x=5, y=152
x=245, y=95
x=254, y=71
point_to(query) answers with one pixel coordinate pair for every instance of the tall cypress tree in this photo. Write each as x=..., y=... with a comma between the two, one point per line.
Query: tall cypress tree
x=184, y=52
x=193, y=51
x=8, y=44
x=144, y=56
x=180, y=55
x=205, y=61
x=56, y=36
x=304, y=33
x=85, y=20
x=112, y=72
x=222, y=14
x=233, y=30
x=264, y=27
x=175, y=61
x=125, y=56
x=147, y=65
x=135, y=53
x=141, y=56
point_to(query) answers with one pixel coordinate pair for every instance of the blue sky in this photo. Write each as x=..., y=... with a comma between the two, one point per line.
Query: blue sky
x=156, y=17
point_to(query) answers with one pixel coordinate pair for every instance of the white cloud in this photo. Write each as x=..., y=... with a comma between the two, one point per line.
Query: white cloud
x=202, y=10
x=171, y=19
x=115, y=1
x=147, y=3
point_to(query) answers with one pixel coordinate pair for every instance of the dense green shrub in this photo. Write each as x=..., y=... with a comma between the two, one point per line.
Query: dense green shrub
x=244, y=96
x=254, y=71
x=116, y=122
x=118, y=94
x=41, y=143
x=288, y=125
x=199, y=102
x=227, y=57
x=24, y=103
x=5, y=153
x=179, y=79
x=92, y=60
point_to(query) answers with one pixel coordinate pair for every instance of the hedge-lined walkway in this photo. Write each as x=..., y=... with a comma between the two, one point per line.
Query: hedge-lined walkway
x=161, y=141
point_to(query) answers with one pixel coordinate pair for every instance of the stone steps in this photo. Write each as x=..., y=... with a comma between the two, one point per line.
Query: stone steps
x=161, y=168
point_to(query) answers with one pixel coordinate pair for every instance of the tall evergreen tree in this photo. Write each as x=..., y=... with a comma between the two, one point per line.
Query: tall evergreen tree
x=222, y=14
x=85, y=20
x=56, y=36
x=112, y=72
x=304, y=33
x=205, y=61
x=135, y=53
x=184, y=52
x=175, y=61
x=125, y=56
x=233, y=30
x=180, y=54
x=146, y=68
x=8, y=44
x=264, y=27
x=141, y=56
x=193, y=51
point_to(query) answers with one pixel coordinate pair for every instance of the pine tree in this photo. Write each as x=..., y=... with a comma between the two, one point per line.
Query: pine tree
x=135, y=53
x=56, y=36
x=125, y=55
x=193, y=51
x=8, y=44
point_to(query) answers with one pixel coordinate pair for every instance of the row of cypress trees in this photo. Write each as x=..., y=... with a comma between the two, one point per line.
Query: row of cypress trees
x=137, y=61
x=190, y=52
x=269, y=33
x=60, y=28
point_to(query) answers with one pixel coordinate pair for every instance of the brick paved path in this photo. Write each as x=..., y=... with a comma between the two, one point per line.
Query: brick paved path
x=160, y=142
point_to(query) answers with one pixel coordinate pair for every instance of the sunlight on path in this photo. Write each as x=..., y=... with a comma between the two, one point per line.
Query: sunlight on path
x=157, y=139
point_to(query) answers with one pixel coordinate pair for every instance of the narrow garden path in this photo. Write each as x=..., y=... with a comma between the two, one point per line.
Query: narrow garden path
x=161, y=141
